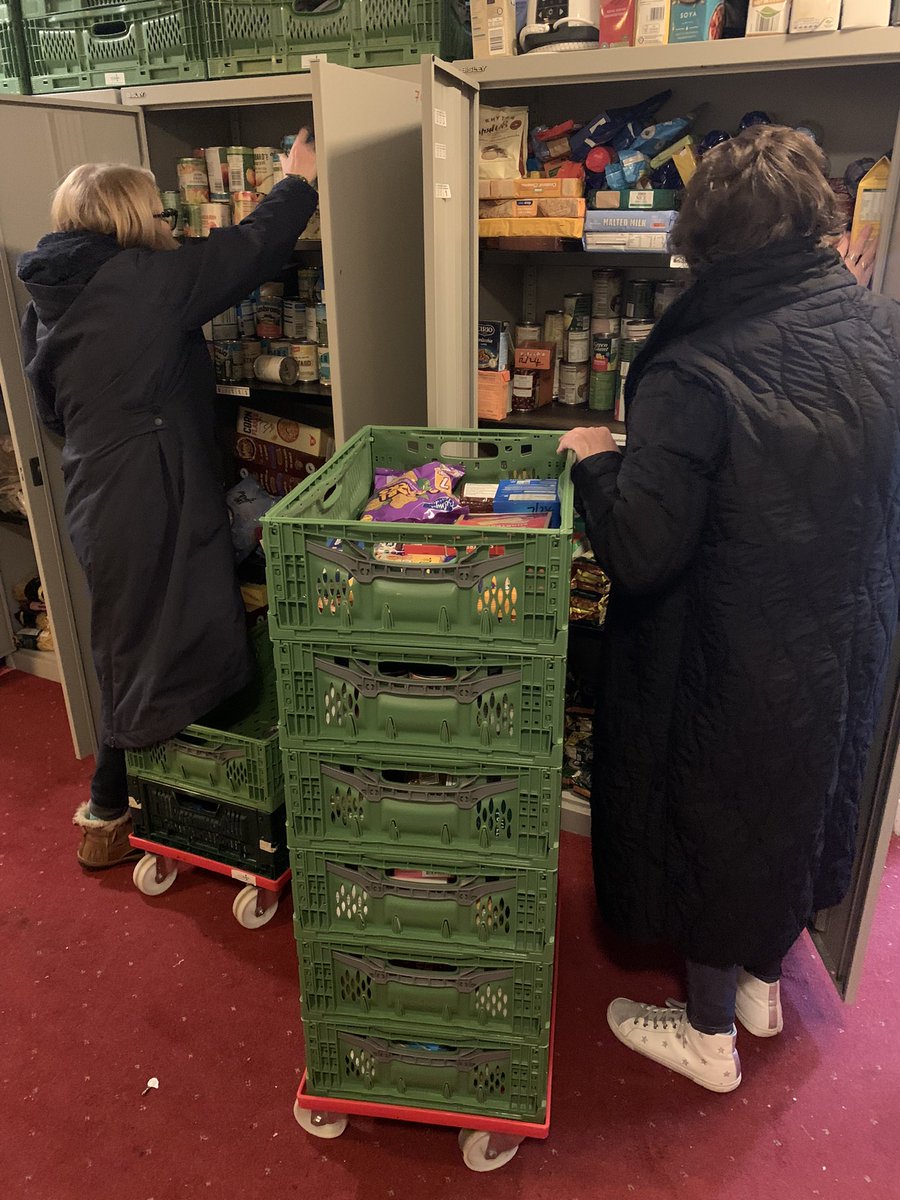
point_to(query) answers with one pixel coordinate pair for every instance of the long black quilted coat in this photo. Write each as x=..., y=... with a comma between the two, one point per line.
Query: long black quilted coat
x=118, y=366
x=752, y=533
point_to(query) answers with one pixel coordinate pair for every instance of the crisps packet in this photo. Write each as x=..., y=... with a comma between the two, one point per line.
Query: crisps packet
x=423, y=494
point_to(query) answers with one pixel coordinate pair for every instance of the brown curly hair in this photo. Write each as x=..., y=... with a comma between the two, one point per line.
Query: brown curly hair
x=765, y=185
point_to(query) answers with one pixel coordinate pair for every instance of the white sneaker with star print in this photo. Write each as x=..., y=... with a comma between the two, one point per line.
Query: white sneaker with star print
x=758, y=1006
x=666, y=1036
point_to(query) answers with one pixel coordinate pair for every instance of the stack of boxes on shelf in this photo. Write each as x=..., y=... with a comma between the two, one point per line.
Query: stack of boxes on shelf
x=216, y=790
x=421, y=719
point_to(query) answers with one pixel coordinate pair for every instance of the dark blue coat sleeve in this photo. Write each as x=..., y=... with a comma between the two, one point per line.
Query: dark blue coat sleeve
x=211, y=274
x=644, y=510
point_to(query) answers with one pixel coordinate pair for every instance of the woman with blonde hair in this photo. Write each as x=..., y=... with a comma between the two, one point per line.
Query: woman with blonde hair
x=116, y=358
x=751, y=530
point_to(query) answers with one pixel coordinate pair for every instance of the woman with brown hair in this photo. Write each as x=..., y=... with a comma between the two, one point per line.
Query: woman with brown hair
x=752, y=534
x=115, y=355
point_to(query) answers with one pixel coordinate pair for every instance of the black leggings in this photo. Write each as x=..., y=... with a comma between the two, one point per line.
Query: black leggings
x=712, y=992
x=109, y=787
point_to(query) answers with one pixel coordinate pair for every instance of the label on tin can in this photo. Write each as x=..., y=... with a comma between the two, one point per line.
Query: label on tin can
x=578, y=345
x=639, y=299
x=228, y=360
x=607, y=294
x=225, y=325
x=306, y=285
x=294, y=319
x=214, y=216
x=573, y=383
x=324, y=366
x=554, y=329
x=252, y=351
x=217, y=172
x=312, y=324
x=271, y=368
x=269, y=317
x=192, y=181
x=277, y=168
x=262, y=165
x=191, y=221
x=577, y=311
x=665, y=294
x=306, y=356
x=279, y=348
x=526, y=333
x=241, y=169
x=244, y=203
x=321, y=325
x=246, y=318
x=604, y=352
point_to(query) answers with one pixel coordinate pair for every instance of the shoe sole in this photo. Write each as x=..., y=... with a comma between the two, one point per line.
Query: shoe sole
x=757, y=1030
x=710, y=1087
x=131, y=857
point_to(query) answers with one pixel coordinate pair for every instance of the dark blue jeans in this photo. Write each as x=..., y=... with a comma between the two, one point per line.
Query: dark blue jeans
x=109, y=787
x=712, y=992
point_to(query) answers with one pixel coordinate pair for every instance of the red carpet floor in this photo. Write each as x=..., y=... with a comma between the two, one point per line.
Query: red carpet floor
x=103, y=988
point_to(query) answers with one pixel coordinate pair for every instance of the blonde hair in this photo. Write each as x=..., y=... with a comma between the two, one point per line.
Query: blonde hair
x=115, y=199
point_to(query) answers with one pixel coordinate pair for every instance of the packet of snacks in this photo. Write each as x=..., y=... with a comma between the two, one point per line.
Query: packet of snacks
x=502, y=142
x=423, y=494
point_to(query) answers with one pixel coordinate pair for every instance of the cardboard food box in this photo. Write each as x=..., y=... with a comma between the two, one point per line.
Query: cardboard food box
x=629, y=222
x=768, y=16
x=304, y=439
x=493, y=346
x=865, y=14
x=493, y=28
x=515, y=189
x=554, y=206
x=541, y=358
x=870, y=197
x=494, y=395
x=696, y=21
x=651, y=22
x=561, y=227
x=815, y=16
x=627, y=242
x=642, y=199
x=617, y=22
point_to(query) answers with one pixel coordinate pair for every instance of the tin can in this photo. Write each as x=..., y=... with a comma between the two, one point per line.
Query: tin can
x=606, y=300
x=294, y=319
x=246, y=318
x=600, y=325
x=270, y=289
x=225, y=326
x=306, y=356
x=321, y=325
x=577, y=311
x=639, y=299
x=630, y=349
x=312, y=325
x=602, y=392
x=269, y=317
x=277, y=168
x=262, y=165
x=324, y=366
x=279, y=348
x=244, y=203
x=527, y=332
x=241, y=169
x=664, y=294
x=555, y=328
x=214, y=216
x=252, y=351
x=191, y=221
x=173, y=200
x=604, y=371
x=578, y=346
x=192, y=181
x=638, y=331
x=272, y=368
x=574, y=383
x=228, y=359
x=306, y=285
x=217, y=172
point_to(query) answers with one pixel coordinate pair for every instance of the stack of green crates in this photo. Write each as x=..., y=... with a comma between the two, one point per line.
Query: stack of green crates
x=13, y=61
x=217, y=789
x=421, y=719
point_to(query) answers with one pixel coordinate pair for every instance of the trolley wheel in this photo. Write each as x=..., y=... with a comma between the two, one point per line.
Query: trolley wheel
x=253, y=906
x=484, y=1151
x=150, y=874
x=319, y=1124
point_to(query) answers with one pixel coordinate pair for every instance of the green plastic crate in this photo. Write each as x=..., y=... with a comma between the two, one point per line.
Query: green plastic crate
x=480, y=997
x=356, y=900
x=418, y=702
x=233, y=753
x=249, y=841
x=268, y=37
x=506, y=587
x=491, y=1080
x=13, y=68
x=121, y=46
x=459, y=811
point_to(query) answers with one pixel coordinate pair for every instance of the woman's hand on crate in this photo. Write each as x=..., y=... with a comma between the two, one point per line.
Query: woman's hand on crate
x=584, y=443
x=302, y=158
x=859, y=255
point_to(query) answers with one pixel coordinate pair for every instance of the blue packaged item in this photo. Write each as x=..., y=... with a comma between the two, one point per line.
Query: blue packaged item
x=656, y=138
x=748, y=120
x=666, y=177
x=715, y=137
x=629, y=221
x=609, y=125
x=634, y=166
x=247, y=504
x=529, y=496
x=615, y=178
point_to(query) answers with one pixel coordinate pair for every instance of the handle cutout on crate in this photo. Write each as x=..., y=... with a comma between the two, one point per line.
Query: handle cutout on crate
x=109, y=29
x=455, y=451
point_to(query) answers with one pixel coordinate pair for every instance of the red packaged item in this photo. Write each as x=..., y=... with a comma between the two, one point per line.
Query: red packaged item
x=509, y=520
x=617, y=22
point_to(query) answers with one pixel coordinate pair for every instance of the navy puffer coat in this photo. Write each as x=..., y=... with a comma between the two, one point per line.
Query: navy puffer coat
x=752, y=533
x=114, y=351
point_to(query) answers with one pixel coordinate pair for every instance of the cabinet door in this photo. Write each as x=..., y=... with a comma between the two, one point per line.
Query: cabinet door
x=450, y=178
x=59, y=135
x=841, y=934
x=369, y=146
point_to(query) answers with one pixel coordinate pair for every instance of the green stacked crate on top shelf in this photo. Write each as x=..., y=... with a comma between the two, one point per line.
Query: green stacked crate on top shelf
x=217, y=789
x=13, y=60
x=421, y=720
